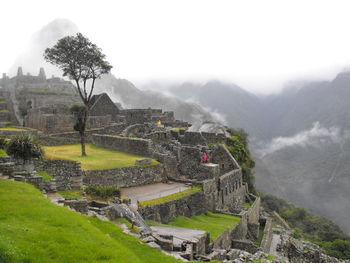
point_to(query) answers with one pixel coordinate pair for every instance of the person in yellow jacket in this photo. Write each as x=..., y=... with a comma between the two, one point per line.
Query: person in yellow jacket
x=159, y=123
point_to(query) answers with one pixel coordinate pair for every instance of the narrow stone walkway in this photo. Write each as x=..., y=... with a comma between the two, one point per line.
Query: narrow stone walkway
x=152, y=191
x=276, y=239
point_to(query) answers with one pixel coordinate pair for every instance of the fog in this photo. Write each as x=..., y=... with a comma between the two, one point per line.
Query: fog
x=259, y=45
x=311, y=137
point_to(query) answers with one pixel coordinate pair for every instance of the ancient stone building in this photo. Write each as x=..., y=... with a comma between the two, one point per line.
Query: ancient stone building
x=102, y=105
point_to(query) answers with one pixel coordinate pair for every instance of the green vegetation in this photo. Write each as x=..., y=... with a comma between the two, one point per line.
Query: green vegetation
x=238, y=147
x=32, y=229
x=260, y=236
x=168, y=198
x=46, y=176
x=178, y=129
x=133, y=229
x=98, y=158
x=69, y=194
x=246, y=205
x=24, y=147
x=9, y=128
x=308, y=226
x=3, y=142
x=337, y=248
x=3, y=153
x=213, y=223
x=2, y=102
x=103, y=191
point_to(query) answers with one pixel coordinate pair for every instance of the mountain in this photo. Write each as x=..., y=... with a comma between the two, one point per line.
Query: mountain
x=124, y=92
x=300, y=139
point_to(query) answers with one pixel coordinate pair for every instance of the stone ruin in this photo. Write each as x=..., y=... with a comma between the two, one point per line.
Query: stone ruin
x=46, y=103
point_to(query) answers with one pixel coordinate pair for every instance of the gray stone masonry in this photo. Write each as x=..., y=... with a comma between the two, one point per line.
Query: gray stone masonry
x=126, y=177
x=124, y=144
x=68, y=174
x=188, y=206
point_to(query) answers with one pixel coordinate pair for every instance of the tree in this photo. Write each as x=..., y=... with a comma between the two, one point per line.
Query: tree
x=78, y=112
x=24, y=147
x=237, y=144
x=83, y=62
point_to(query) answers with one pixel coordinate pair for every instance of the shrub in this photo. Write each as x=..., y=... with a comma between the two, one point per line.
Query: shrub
x=3, y=142
x=24, y=147
x=103, y=191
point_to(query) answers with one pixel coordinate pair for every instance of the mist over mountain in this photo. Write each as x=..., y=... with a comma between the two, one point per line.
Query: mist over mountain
x=300, y=139
x=121, y=90
x=32, y=57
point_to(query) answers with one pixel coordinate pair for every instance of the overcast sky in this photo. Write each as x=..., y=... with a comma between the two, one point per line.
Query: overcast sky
x=258, y=45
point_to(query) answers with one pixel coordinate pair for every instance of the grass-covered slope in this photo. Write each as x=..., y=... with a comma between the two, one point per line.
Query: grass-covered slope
x=214, y=223
x=98, y=158
x=32, y=229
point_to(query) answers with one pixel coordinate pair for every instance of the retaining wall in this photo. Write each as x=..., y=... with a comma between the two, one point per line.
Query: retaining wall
x=126, y=177
x=68, y=174
x=124, y=144
x=188, y=206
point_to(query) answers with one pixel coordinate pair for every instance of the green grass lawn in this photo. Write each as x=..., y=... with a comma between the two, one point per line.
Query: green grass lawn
x=98, y=158
x=71, y=194
x=213, y=223
x=32, y=229
x=171, y=197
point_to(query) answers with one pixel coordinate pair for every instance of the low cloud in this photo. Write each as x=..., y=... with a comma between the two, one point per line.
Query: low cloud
x=313, y=137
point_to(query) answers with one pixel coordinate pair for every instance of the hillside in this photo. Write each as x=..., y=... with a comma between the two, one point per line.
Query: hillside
x=32, y=229
x=300, y=138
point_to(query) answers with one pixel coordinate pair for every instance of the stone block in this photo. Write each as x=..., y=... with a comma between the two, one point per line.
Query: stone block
x=143, y=161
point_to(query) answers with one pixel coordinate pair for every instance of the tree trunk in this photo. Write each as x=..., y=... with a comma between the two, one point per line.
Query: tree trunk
x=82, y=141
x=82, y=133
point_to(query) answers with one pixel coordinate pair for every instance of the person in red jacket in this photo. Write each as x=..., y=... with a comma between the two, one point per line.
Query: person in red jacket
x=205, y=158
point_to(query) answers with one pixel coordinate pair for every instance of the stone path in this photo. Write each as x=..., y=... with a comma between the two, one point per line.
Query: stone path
x=179, y=234
x=276, y=239
x=54, y=198
x=152, y=191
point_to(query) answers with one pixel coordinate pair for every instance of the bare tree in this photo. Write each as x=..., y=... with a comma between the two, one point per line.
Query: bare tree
x=83, y=62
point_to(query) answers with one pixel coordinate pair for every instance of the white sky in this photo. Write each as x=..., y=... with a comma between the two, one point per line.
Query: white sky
x=258, y=45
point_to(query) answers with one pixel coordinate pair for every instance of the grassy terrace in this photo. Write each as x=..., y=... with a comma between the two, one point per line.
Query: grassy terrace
x=32, y=229
x=213, y=223
x=14, y=129
x=171, y=197
x=98, y=158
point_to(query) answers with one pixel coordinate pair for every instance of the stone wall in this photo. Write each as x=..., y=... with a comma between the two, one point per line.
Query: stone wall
x=10, y=133
x=126, y=177
x=124, y=144
x=267, y=237
x=192, y=138
x=188, y=206
x=74, y=137
x=224, y=241
x=53, y=123
x=248, y=218
x=213, y=138
x=68, y=174
x=220, y=155
x=224, y=193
